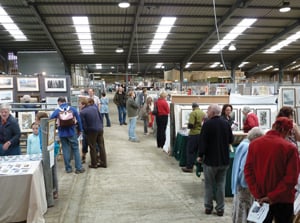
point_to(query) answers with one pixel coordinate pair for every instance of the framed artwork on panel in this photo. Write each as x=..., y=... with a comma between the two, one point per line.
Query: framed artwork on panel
x=51, y=131
x=55, y=84
x=51, y=102
x=25, y=120
x=288, y=97
x=185, y=114
x=298, y=115
x=6, y=82
x=6, y=96
x=235, y=116
x=28, y=84
x=264, y=118
x=297, y=96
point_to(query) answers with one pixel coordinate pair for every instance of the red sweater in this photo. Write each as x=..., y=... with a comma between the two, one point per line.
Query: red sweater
x=272, y=168
x=162, y=107
x=250, y=122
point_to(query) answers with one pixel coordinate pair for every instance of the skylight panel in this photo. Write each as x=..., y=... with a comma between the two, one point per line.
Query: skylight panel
x=10, y=26
x=83, y=32
x=232, y=35
x=161, y=34
x=283, y=43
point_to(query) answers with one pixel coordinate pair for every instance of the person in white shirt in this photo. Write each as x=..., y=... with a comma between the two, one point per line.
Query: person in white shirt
x=95, y=97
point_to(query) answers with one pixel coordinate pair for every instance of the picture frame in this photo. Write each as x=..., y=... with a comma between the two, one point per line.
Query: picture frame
x=6, y=82
x=27, y=84
x=297, y=96
x=51, y=132
x=235, y=116
x=6, y=96
x=51, y=102
x=25, y=120
x=55, y=84
x=288, y=97
x=264, y=117
x=185, y=114
x=298, y=115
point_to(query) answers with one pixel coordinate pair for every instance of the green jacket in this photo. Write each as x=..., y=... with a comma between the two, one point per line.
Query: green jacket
x=195, y=121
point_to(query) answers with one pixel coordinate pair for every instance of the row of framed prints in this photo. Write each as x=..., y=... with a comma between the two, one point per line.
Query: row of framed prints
x=263, y=114
x=32, y=84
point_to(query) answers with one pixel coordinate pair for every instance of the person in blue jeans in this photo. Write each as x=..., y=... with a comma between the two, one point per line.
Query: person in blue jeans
x=120, y=100
x=132, y=108
x=104, y=109
x=68, y=137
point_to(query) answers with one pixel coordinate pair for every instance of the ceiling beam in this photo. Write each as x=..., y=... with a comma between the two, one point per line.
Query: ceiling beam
x=37, y=14
x=212, y=32
x=268, y=42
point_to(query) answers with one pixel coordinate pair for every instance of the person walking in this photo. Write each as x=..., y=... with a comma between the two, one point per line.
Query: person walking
x=163, y=111
x=215, y=137
x=10, y=132
x=120, y=100
x=195, y=123
x=242, y=199
x=132, y=110
x=145, y=113
x=272, y=170
x=68, y=136
x=104, y=109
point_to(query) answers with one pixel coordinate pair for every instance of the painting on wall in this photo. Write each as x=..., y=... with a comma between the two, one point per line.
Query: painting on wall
x=55, y=84
x=6, y=96
x=25, y=120
x=185, y=114
x=288, y=97
x=27, y=84
x=6, y=82
x=264, y=118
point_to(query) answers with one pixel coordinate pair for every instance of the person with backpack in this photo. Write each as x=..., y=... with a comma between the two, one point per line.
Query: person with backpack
x=67, y=117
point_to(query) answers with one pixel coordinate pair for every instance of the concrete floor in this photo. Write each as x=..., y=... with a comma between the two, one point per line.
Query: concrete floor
x=141, y=184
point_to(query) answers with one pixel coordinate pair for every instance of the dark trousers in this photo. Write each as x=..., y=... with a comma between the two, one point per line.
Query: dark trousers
x=91, y=140
x=161, y=122
x=281, y=212
x=102, y=152
x=191, y=150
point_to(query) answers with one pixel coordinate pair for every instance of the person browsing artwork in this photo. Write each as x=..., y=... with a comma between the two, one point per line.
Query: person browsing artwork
x=250, y=119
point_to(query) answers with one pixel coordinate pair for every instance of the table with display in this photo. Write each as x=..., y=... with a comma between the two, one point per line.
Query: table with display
x=23, y=196
x=179, y=152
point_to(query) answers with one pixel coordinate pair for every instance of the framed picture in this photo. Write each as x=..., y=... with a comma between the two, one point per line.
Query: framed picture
x=55, y=84
x=185, y=114
x=264, y=118
x=288, y=97
x=51, y=102
x=28, y=84
x=6, y=82
x=25, y=120
x=235, y=116
x=6, y=96
x=51, y=131
x=297, y=96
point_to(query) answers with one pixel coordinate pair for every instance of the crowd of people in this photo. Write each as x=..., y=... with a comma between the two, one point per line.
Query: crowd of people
x=265, y=166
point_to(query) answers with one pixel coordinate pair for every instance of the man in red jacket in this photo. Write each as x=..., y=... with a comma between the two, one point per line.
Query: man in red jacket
x=272, y=169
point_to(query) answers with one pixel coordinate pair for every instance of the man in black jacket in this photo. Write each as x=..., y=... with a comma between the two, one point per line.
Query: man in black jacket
x=215, y=137
x=120, y=101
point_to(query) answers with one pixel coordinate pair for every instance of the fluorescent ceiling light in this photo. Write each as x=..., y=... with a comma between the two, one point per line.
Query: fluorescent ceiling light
x=119, y=49
x=232, y=47
x=243, y=64
x=10, y=26
x=158, y=65
x=124, y=4
x=98, y=66
x=83, y=32
x=161, y=34
x=188, y=65
x=232, y=35
x=267, y=68
x=284, y=43
x=215, y=64
x=285, y=7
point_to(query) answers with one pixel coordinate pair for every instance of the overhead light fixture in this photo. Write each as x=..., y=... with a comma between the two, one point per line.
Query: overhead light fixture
x=285, y=7
x=232, y=47
x=119, y=49
x=124, y=4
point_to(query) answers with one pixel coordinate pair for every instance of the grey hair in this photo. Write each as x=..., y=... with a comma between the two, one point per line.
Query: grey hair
x=246, y=109
x=215, y=109
x=254, y=133
x=5, y=106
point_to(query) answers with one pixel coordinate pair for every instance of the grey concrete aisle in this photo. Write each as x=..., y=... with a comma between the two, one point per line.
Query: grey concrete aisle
x=141, y=184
